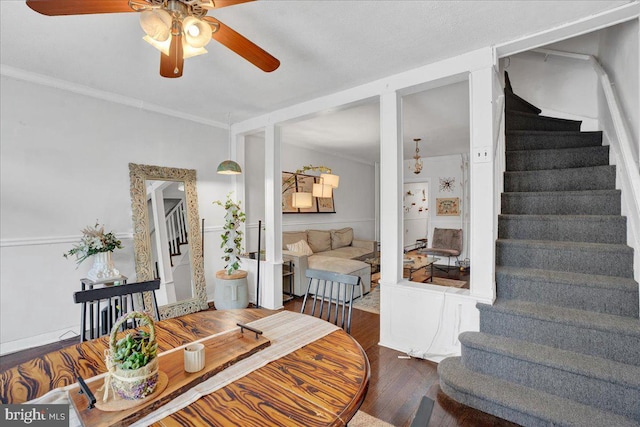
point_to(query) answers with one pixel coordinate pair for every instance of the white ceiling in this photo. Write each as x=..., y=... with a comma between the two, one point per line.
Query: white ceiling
x=324, y=46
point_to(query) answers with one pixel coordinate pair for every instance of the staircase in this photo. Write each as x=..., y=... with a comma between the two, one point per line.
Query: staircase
x=561, y=344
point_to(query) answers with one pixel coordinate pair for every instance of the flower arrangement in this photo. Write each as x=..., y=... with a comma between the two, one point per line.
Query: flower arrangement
x=94, y=240
x=232, y=236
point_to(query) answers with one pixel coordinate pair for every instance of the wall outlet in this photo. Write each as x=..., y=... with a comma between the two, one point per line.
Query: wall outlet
x=482, y=155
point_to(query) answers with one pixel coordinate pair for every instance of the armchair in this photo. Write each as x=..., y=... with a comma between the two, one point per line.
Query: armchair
x=447, y=242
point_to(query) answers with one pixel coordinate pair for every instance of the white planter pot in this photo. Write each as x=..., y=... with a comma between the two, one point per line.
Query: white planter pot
x=231, y=291
x=103, y=268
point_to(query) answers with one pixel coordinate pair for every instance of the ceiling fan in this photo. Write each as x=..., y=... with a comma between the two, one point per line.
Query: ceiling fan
x=180, y=29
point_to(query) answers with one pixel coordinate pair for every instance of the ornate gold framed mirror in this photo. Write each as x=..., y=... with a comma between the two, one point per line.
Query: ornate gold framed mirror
x=166, y=237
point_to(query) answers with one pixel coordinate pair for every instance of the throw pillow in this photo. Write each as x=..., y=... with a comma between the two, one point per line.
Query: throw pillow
x=300, y=247
x=293, y=237
x=319, y=240
x=341, y=238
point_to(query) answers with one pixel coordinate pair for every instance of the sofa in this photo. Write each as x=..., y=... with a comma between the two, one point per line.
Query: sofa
x=329, y=250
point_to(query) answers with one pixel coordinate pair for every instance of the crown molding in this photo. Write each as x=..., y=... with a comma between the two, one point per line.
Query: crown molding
x=41, y=79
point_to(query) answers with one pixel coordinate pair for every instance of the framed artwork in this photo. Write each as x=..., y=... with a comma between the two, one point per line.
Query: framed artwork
x=292, y=182
x=449, y=206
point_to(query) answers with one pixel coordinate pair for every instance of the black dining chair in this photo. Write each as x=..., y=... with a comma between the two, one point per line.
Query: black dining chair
x=117, y=301
x=333, y=291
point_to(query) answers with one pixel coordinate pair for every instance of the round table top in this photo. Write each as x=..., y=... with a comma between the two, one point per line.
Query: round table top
x=322, y=383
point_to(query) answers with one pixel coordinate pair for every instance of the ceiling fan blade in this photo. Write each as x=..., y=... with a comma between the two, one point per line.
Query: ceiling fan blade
x=242, y=46
x=171, y=65
x=217, y=4
x=78, y=7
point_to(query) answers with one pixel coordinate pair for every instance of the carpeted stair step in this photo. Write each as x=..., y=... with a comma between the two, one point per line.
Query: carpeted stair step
x=517, y=120
x=579, y=257
x=514, y=103
x=575, y=179
x=604, y=294
x=568, y=228
x=546, y=140
x=558, y=158
x=520, y=404
x=590, y=202
x=594, y=381
x=598, y=334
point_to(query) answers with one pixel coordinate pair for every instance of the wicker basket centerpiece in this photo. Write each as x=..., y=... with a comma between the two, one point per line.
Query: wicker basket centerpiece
x=132, y=361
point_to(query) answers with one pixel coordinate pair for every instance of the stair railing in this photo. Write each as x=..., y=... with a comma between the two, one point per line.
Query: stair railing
x=499, y=156
x=628, y=172
x=176, y=228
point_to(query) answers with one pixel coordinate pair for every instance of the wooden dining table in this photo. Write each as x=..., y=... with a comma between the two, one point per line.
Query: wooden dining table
x=322, y=383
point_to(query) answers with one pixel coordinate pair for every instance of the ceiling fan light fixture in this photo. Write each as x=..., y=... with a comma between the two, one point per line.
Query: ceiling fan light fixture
x=197, y=32
x=156, y=24
x=163, y=46
x=189, y=51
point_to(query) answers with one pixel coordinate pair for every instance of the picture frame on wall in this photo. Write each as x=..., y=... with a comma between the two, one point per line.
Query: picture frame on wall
x=448, y=206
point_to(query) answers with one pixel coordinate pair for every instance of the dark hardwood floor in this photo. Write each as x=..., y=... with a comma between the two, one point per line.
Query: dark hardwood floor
x=396, y=386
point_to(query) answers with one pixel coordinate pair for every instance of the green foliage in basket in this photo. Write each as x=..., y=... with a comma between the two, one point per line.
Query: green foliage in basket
x=134, y=351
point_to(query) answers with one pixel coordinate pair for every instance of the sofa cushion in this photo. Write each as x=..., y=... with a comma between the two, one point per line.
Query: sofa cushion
x=341, y=238
x=319, y=240
x=347, y=252
x=289, y=237
x=301, y=247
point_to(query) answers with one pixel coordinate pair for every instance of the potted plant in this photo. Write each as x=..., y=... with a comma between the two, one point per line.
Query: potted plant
x=95, y=242
x=132, y=361
x=231, y=289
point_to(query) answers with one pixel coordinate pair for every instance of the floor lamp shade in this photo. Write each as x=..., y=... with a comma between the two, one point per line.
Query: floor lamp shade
x=301, y=200
x=322, y=190
x=229, y=167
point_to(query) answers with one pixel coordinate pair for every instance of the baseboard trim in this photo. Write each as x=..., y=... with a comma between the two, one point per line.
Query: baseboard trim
x=38, y=340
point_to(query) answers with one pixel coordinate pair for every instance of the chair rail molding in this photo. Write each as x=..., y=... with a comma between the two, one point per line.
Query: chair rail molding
x=51, y=240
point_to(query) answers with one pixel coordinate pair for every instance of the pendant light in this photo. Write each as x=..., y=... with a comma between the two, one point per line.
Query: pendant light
x=229, y=167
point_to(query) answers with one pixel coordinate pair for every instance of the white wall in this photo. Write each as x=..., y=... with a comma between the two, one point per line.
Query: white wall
x=64, y=164
x=433, y=170
x=619, y=52
x=561, y=87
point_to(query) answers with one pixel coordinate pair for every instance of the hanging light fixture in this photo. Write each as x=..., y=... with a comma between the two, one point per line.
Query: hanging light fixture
x=229, y=167
x=322, y=190
x=301, y=200
x=330, y=179
x=417, y=168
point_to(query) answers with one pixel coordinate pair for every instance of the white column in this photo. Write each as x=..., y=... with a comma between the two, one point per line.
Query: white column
x=237, y=153
x=271, y=277
x=482, y=251
x=390, y=188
